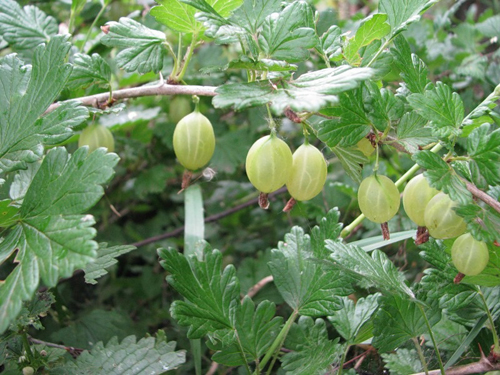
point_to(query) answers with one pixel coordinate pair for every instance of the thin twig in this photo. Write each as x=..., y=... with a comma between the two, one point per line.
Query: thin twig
x=213, y=368
x=75, y=352
x=257, y=287
x=489, y=200
x=135, y=92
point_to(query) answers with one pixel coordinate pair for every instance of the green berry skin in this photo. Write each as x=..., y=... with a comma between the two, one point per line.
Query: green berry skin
x=308, y=174
x=194, y=141
x=366, y=147
x=95, y=136
x=269, y=163
x=469, y=256
x=378, y=198
x=416, y=195
x=440, y=218
x=179, y=107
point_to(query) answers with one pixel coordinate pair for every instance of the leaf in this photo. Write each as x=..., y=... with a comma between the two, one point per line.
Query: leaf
x=330, y=43
x=194, y=223
x=8, y=213
x=350, y=123
x=35, y=88
x=130, y=357
x=252, y=14
x=376, y=242
x=351, y=317
x=442, y=107
x=106, y=257
x=403, y=362
x=352, y=161
x=483, y=222
x=25, y=28
x=89, y=70
x=442, y=176
x=401, y=13
x=373, y=27
x=490, y=27
x=413, y=70
x=52, y=238
x=257, y=328
x=220, y=8
x=261, y=65
x=381, y=106
x=329, y=228
x=412, y=132
x=398, y=320
x=33, y=310
x=309, y=92
x=483, y=147
x=307, y=286
x=176, y=15
x=287, y=35
x=211, y=295
x=142, y=48
x=377, y=269
x=312, y=351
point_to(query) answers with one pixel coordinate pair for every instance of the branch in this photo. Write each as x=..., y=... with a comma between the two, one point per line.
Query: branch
x=135, y=92
x=489, y=200
x=480, y=367
x=75, y=352
x=257, y=287
x=208, y=219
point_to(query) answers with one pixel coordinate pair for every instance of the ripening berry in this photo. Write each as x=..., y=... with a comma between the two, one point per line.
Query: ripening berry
x=95, y=136
x=469, y=256
x=416, y=195
x=440, y=218
x=378, y=198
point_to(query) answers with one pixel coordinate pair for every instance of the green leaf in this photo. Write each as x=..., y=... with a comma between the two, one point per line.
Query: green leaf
x=89, y=70
x=289, y=35
x=402, y=13
x=257, y=328
x=176, y=15
x=398, y=320
x=381, y=106
x=220, y=8
x=106, y=257
x=8, y=214
x=483, y=222
x=52, y=238
x=442, y=107
x=412, y=132
x=413, y=70
x=309, y=92
x=252, y=14
x=376, y=242
x=350, y=123
x=352, y=160
x=328, y=229
x=194, y=223
x=442, y=176
x=211, y=295
x=32, y=310
x=483, y=147
x=312, y=351
x=36, y=87
x=350, y=318
x=403, y=362
x=25, y=28
x=378, y=270
x=373, y=27
x=261, y=65
x=130, y=357
x=142, y=48
x=307, y=286
x=490, y=27
x=330, y=43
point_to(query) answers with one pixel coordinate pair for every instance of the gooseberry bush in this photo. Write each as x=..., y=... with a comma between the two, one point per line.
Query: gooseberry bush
x=215, y=187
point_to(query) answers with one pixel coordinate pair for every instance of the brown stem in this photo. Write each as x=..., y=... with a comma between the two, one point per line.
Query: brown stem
x=422, y=235
x=489, y=200
x=289, y=205
x=135, y=92
x=75, y=352
x=263, y=201
x=479, y=367
x=385, y=231
x=186, y=180
x=257, y=287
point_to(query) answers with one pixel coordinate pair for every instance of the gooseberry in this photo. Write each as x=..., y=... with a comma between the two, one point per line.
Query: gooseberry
x=194, y=141
x=95, y=136
x=469, y=256
x=440, y=218
x=416, y=195
x=378, y=198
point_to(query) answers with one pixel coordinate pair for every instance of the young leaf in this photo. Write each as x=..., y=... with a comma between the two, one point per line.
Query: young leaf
x=25, y=28
x=350, y=318
x=89, y=70
x=142, y=48
x=106, y=257
x=312, y=351
x=306, y=285
x=377, y=269
x=402, y=13
x=52, y=238
x=256, y=328
x=374, y=27
x=442, y=107
x=413, y=132
x=130, y=357
x=330, y=43
x=442, y=176
x=309, y=92
x=483, y=147
x=176, y=15
x=402, y=362
x=35, y=88
x=413, y=70
x=398, y=320
x=288, y=35
x=211, y=295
